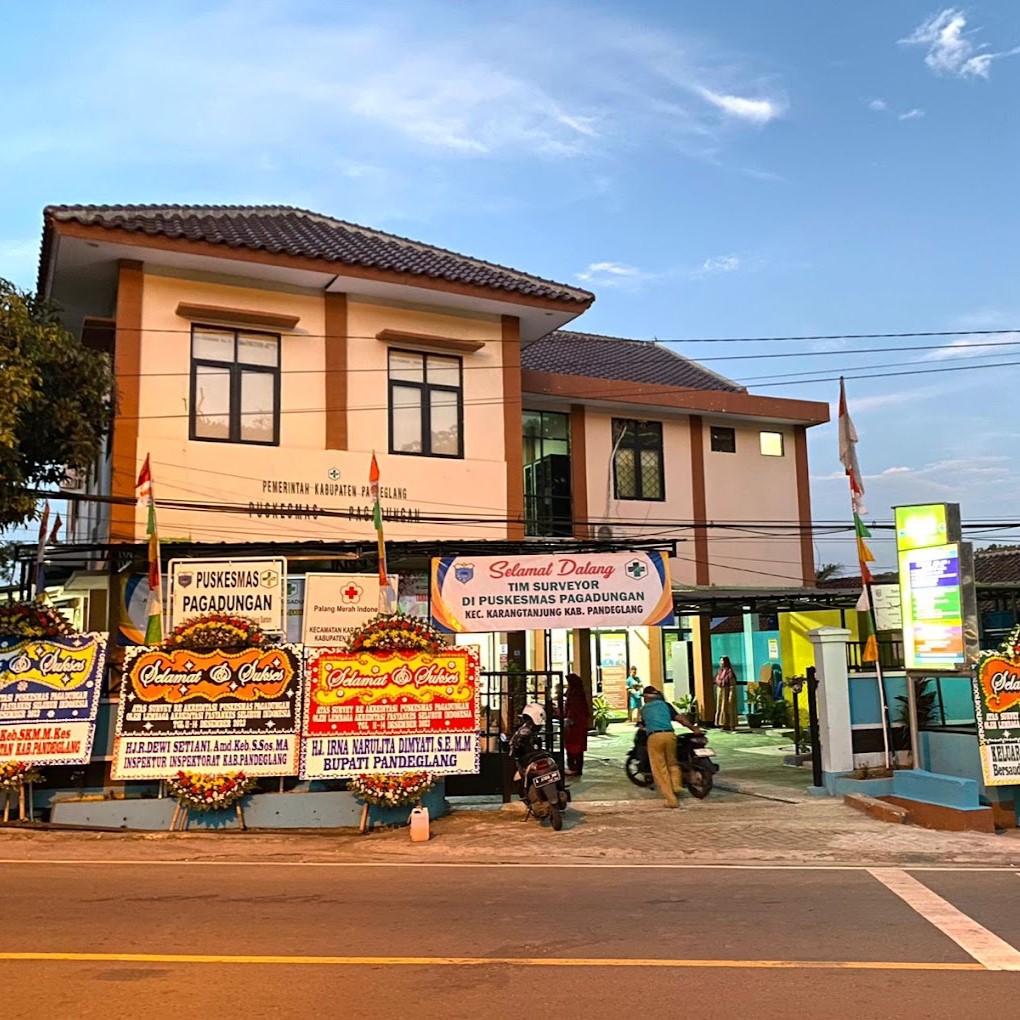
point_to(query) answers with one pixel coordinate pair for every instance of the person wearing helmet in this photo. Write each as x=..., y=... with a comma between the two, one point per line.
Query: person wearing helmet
x=536, y=713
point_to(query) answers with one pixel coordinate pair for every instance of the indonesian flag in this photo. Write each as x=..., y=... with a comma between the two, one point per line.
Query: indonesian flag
x=848, y=453
x=385, y=591
x=154, y=612
x=864, y=553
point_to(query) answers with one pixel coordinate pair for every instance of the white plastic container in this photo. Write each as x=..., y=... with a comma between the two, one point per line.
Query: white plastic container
x=420, y=825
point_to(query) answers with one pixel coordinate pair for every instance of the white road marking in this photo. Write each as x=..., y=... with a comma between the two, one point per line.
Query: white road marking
x=520, y=865
x=974, y=939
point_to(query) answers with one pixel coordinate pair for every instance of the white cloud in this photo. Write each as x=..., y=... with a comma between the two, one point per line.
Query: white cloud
x=763, y=175
x=612, y=274
x=950, y=49
x=878, y=105
x=720, y=264
x=896, y=470
x=912, y=114
x=326, y=85
x=755, y=111
x=1006, y=345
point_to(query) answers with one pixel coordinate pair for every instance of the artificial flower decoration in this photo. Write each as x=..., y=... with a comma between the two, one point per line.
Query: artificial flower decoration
x=216, y=631
x=397, y=634
x=20, y=620
x=391, y=790
x=16, y=774
x=199, y=792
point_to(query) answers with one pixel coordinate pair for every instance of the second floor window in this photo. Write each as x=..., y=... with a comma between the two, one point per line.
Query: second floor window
x=426, y=404
x=637, y=464
x=235, y=386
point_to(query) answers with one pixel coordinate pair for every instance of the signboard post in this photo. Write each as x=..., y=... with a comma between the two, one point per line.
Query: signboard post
x=337, y=605
x=938, y=599
x=481, y=594
x=255, y=589
x=49, y=698
x=390, y=712
x=218, y=711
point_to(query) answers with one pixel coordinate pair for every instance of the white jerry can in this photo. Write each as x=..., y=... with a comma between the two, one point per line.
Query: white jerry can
x=420, y=825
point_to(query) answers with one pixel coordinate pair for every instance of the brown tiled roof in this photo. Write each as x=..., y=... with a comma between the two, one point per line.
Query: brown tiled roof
x=991, y=566
x=609, y=357
x=997, y=566
x=290, y=231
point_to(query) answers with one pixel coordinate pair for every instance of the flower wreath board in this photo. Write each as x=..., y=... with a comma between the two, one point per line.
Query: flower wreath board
x=399, y=700
x=216, y=699
x=51, y=680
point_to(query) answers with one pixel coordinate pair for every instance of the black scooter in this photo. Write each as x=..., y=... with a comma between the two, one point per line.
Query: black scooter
x=542, y=787
x=692, y=753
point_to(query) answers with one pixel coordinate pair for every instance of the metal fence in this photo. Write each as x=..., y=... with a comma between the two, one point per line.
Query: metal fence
x=503, y=697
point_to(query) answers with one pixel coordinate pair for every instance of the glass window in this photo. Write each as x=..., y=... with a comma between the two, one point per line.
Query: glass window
x=638, y=471
x=548, y=507
x=426, y=404
x=211, y=418
x=724, y=440
x=214, y=345
x=258, y=350
x=405, y=420
x=235, y=385
x=772, y=444
x=258, y=392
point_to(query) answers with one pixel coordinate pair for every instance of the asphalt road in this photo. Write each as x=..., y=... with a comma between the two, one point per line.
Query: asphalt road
x=128, y=940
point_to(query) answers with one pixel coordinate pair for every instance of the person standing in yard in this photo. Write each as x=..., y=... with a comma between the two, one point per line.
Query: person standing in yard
x=634, y=685
x=576, y=723
x=726, y=695
x=657, y=714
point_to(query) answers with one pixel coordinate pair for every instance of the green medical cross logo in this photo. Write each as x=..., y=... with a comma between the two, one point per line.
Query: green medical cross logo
x=333, y=474
x=636, y=569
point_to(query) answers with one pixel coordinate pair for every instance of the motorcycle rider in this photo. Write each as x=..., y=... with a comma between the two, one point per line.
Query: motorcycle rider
x=657, y=714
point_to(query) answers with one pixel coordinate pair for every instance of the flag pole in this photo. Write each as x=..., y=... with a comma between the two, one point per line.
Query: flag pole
x=145, y=490
x=848, y=458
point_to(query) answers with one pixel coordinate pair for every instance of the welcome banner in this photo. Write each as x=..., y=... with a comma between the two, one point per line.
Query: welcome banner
x=996, y=686
x=49, y=698
x=212, y=712
x=481, y=594
x=390, y=712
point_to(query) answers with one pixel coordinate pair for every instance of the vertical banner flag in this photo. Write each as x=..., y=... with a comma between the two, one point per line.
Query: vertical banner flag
x=146, y=499
x=848, y=458
x=40, y=556
x=385, y=592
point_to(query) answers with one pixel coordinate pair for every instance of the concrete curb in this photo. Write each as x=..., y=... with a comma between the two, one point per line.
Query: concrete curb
x=880, y=810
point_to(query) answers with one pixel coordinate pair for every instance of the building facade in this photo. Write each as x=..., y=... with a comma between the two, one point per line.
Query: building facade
x=263, y=354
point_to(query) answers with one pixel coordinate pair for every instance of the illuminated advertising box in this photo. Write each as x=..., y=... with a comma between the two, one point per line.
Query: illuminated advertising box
x=932, y=607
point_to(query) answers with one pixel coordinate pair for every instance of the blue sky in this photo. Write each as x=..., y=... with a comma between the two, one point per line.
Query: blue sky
x=709, y=170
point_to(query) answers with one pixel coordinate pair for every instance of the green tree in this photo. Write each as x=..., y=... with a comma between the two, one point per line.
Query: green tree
x=56, y=402
x=827, y=571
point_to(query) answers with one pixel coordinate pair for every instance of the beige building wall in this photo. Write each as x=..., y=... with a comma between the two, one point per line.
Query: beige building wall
x=328, y=489
x=747, y=486
x=657, y=519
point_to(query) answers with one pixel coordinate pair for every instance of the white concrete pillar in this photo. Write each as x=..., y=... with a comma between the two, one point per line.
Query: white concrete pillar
x=833, y=699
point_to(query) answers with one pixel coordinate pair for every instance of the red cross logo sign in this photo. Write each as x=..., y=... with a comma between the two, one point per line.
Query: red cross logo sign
x=352, y=592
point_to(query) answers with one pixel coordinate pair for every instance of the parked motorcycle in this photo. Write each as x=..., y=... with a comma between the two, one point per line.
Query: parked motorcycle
x=692, y=753
x=542, y=787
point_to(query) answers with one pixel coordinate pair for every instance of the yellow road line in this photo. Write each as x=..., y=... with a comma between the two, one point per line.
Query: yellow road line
x=484, y=961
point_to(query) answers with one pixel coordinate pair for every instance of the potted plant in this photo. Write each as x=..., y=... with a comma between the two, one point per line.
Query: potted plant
x=780, y=716
x=600, y=715
x=760, y=702
x=688, y=705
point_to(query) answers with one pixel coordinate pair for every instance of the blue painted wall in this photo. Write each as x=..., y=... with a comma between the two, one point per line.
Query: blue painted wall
x=733, y=646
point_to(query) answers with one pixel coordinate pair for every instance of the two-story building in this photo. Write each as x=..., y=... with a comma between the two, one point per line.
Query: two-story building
x=262, y=354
